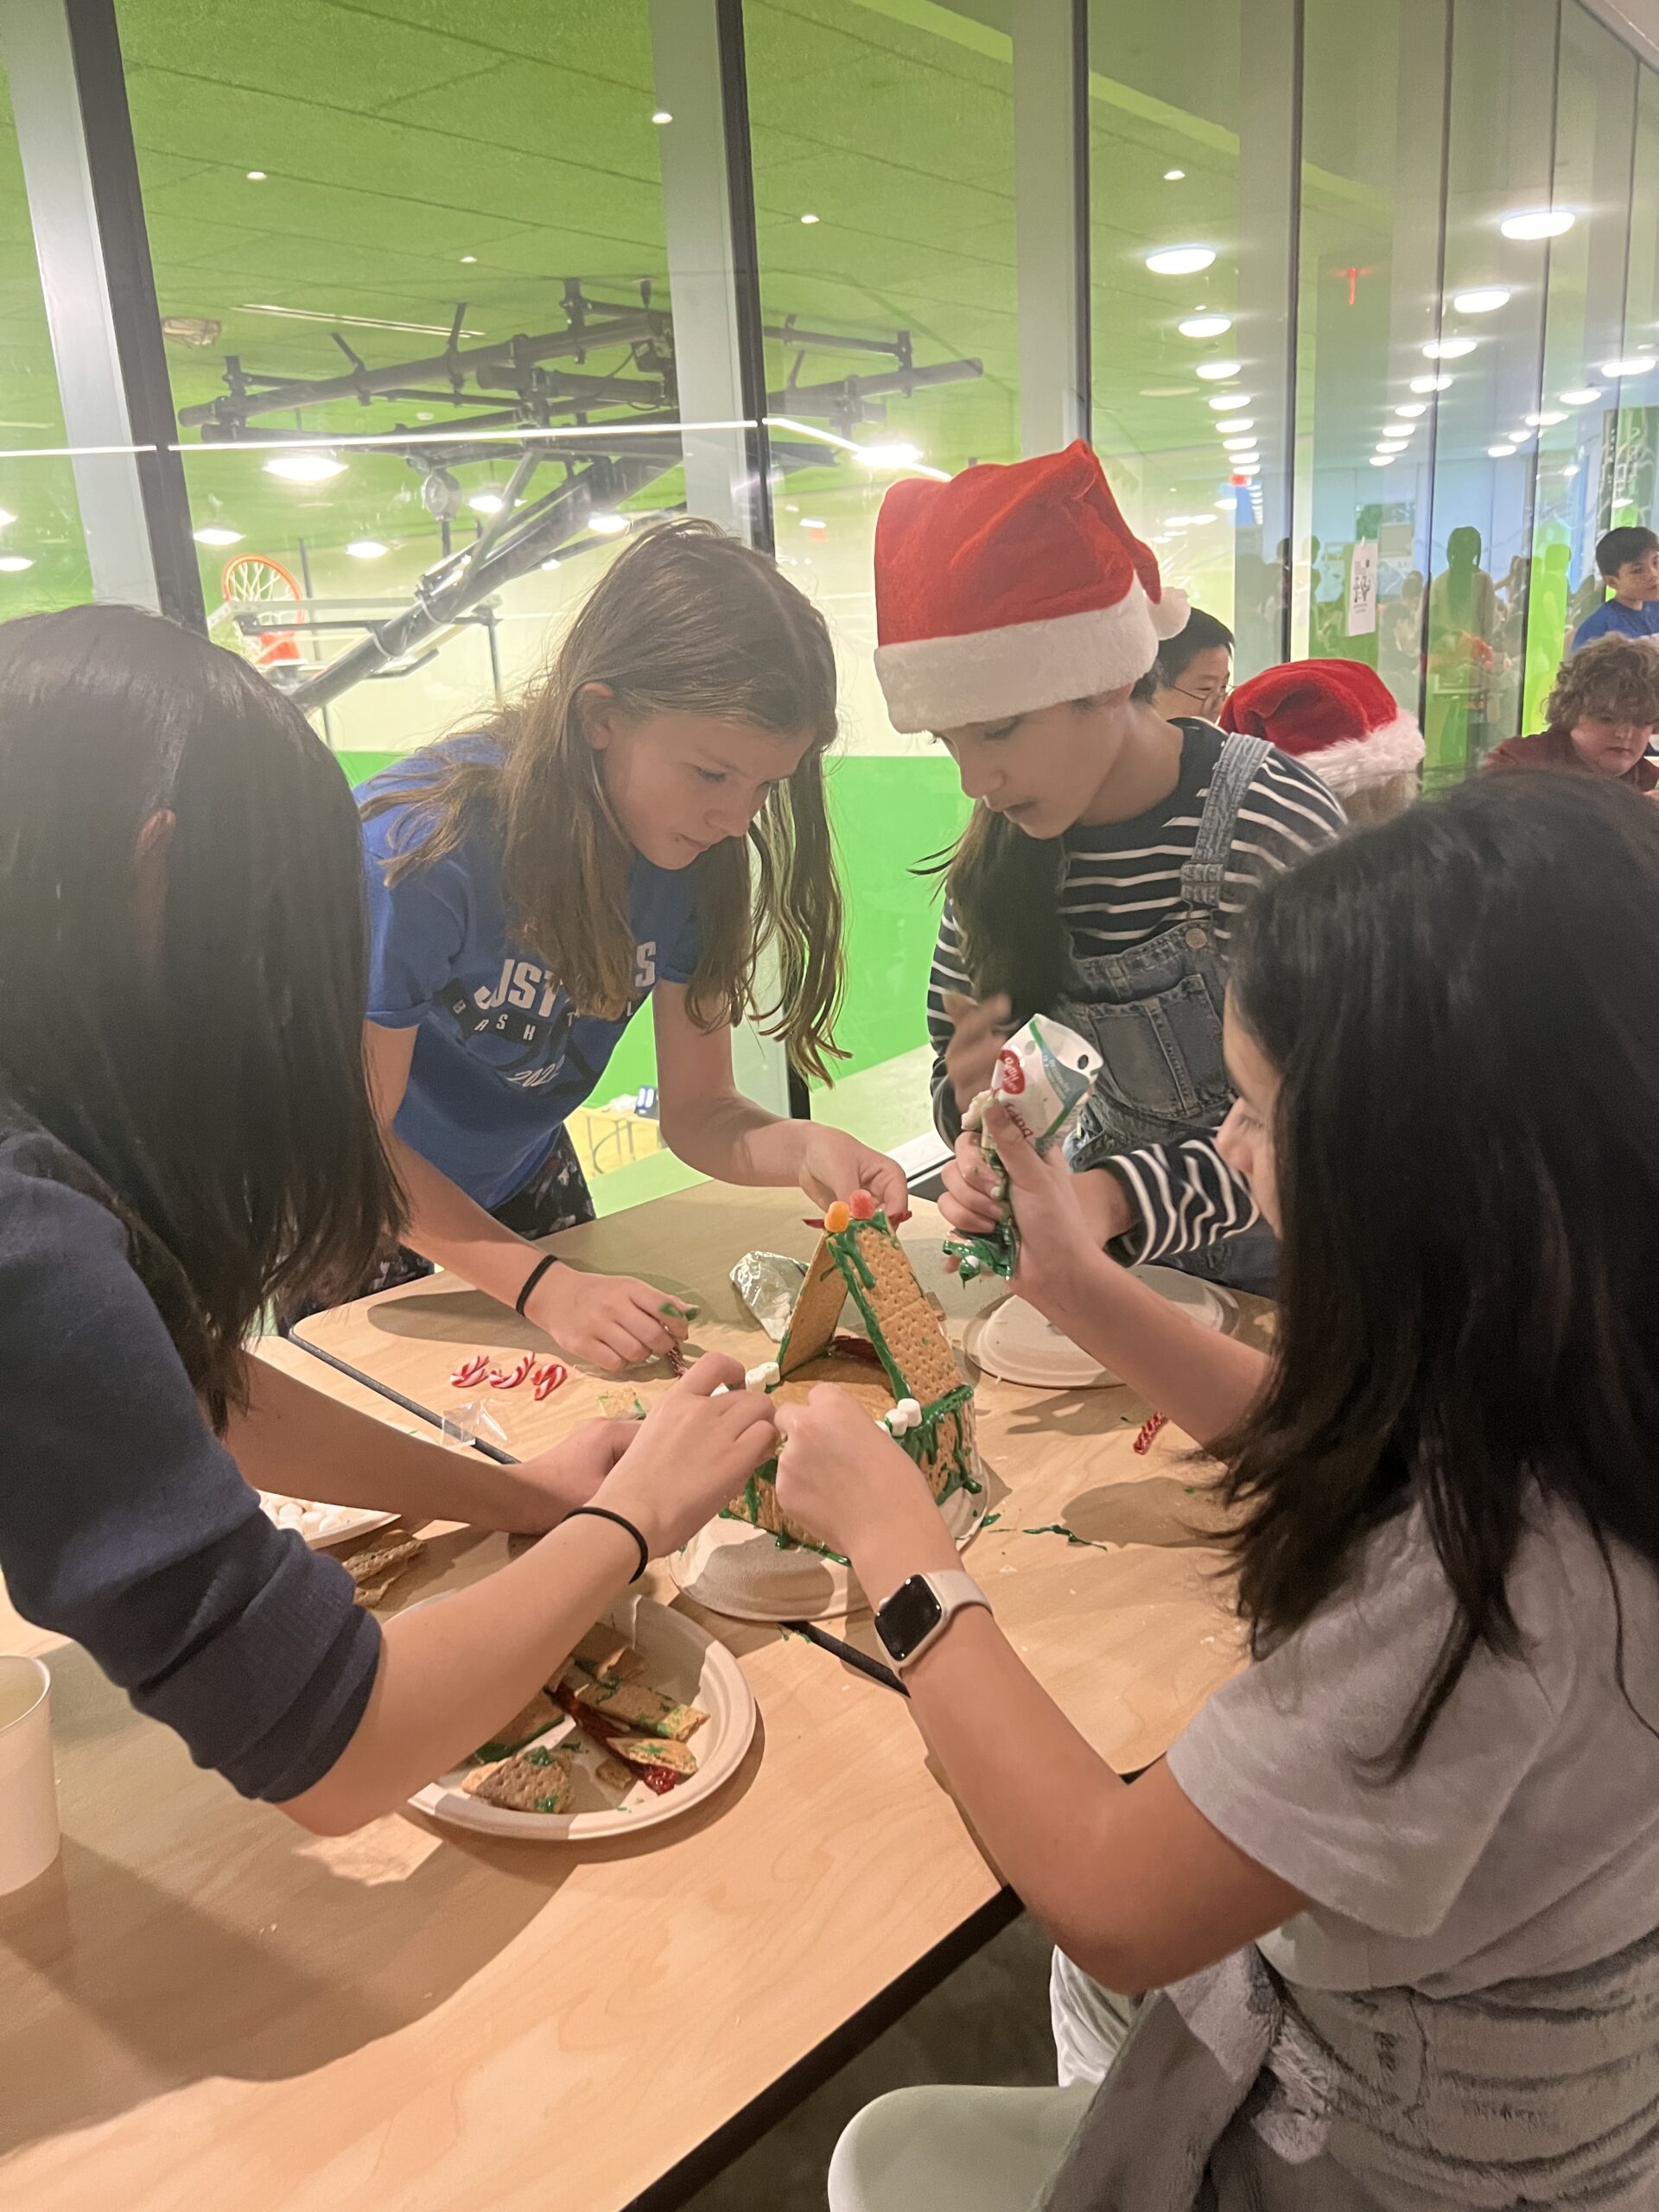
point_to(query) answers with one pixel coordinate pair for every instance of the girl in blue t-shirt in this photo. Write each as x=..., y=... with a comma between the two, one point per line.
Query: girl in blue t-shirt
x=646, y=821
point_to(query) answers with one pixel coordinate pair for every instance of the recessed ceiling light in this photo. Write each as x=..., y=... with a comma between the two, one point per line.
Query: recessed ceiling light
x=608, y=525
x=1431, y=383
x=1485, y=299
x=809, y=218
x=1547, y=421
x=13, y=564
x=1382, y=460
x=1239, y=445
x=211, y=534
x=1500, y=452
x=1225, y=506
x=1572, y=470
x=486, y=503
x=894, y=455
x=1390, y=445
x=813, y=522
x=1635, y=365
x=1228, y=424
x=1173, y=177
x=1409, y=409
x=256, y=176
x=469, y=256
x=1218, y=371
x=6, y=516
x=1448, y=349
x=660, y=116
x=1537, y=223
x=1228, y=400
x=1204, y=326
x=1180, y=260
x=304, y=468
x=1581, y=395
x=367, y=549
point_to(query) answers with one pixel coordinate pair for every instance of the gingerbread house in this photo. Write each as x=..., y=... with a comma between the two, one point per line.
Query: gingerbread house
x=905, y=1372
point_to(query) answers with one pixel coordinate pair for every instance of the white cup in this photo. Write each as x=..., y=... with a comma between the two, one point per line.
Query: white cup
x=29, y=1791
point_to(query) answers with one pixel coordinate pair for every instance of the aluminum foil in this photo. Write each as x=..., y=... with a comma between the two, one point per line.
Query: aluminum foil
x=768, y=1284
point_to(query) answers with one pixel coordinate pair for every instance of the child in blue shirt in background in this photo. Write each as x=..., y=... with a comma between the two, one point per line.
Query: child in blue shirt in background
x=1628, y=559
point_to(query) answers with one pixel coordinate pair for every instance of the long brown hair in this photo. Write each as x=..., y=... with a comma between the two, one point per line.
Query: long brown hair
x=687, y=621
x=210, y=1087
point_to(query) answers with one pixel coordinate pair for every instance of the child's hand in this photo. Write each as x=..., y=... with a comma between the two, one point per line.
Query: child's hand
x=834, y=1164
x=972, y=1199
x=842, y=1475
x=610, y=1321
x=692, y=1453
x=1056, y=1237
x=977, y=1030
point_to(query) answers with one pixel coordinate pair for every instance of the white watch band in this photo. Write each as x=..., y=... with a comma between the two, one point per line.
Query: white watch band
x=955, y=1589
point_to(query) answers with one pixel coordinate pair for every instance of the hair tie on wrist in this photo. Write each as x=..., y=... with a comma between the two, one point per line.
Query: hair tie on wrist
x=604, y=1513
x=548, y=1260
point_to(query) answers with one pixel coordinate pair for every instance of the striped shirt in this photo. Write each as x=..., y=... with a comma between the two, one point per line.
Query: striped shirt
x=1121, y=887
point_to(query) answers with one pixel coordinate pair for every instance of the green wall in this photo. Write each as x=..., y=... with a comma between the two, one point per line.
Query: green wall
x=888, y=814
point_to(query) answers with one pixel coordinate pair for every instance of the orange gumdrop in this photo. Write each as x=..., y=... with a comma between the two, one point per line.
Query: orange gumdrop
x=837, y=1216
x=861, y=1206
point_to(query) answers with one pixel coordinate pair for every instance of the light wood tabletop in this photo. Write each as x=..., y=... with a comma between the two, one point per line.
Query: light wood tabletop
x=201, y=2004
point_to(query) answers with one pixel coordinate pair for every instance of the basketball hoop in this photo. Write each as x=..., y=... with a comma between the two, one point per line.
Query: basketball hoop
x=256, y=583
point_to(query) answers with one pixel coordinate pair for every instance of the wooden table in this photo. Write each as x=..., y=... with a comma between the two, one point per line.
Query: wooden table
x=200, y=2005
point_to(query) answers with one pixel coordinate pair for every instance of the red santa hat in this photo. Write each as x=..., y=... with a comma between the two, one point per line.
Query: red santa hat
x=1011, y=588
x=1336, y=717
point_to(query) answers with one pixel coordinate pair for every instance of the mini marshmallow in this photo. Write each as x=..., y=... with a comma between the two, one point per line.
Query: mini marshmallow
x=905, y=1416
x=761, y=1377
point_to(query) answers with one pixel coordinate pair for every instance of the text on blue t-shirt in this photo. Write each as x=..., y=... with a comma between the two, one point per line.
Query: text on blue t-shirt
x=502, y=1056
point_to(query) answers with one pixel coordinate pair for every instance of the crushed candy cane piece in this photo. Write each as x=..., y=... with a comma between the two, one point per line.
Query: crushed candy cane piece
x=861, y=1206
x=835, y=1217
x=1148, y=1430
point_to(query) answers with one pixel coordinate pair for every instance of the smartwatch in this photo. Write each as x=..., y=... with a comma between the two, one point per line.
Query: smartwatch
x=919, y=1612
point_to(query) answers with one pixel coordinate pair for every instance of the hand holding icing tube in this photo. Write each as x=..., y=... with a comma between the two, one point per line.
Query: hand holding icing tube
x=1044, y=1076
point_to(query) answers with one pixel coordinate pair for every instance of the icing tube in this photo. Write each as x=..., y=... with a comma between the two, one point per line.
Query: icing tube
x=1044, y=1076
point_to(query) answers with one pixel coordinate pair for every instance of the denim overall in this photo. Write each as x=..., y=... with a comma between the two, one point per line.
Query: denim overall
x=1153, y=1013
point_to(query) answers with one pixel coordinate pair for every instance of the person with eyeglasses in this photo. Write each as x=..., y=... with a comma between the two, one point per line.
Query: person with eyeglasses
x=1194, y=670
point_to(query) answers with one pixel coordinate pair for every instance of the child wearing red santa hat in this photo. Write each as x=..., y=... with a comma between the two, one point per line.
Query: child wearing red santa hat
x=1338, y=718
x=1110, y=850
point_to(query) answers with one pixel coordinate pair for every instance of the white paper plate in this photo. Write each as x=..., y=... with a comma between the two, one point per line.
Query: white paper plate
x=685, y=1663
x=743, y=1572
x=355, y=1521
x=1016, y=1343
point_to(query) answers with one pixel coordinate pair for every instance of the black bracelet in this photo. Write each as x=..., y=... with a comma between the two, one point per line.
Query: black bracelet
x=604, y=1513
x=548, y=1260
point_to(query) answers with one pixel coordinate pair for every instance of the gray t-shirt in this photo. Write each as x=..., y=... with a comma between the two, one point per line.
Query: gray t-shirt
x=1525, y=1839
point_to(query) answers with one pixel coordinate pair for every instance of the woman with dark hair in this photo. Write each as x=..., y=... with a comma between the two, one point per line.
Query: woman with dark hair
x=1398, y=1883
x=186, y=1137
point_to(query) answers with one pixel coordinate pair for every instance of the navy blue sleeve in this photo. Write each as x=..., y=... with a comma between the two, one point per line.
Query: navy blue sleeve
x=126, y=1525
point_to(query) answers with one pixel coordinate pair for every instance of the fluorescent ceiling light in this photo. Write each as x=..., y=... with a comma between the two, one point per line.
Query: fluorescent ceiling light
x=1545, y=421
x=552, y=560
x=1229, y=400
x=1500, y=452
x=1204, y=326
x=1485, y=299
x=1409, y=409
x=1180, y=260
x=1173, y=177
x=1581, y=395
x=1537, y=223
x=608, y=525
x=469, y=258
x=1448, y=349
x=1572, y=470
x=661, y=117
x=13, y=564
x=304, y=468
x=256, y=176
x=210, y=534
x=1635, y=365
x=486, y=503
x=367, y=549
x=1431, y=383
x=356, y=322
x=1225, y=506
x=6, y=516
x=895, y=455
x=809, y=218
x=1218, y=371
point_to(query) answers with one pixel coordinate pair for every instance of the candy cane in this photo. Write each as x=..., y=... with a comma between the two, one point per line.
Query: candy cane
x=508, y=1379
x=550, y=1379
x=471, y=1371
x=1148, y=1430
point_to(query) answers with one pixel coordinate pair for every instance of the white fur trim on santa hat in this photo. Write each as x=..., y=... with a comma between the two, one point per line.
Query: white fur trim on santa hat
x=988, y=675
x=1355, y=763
